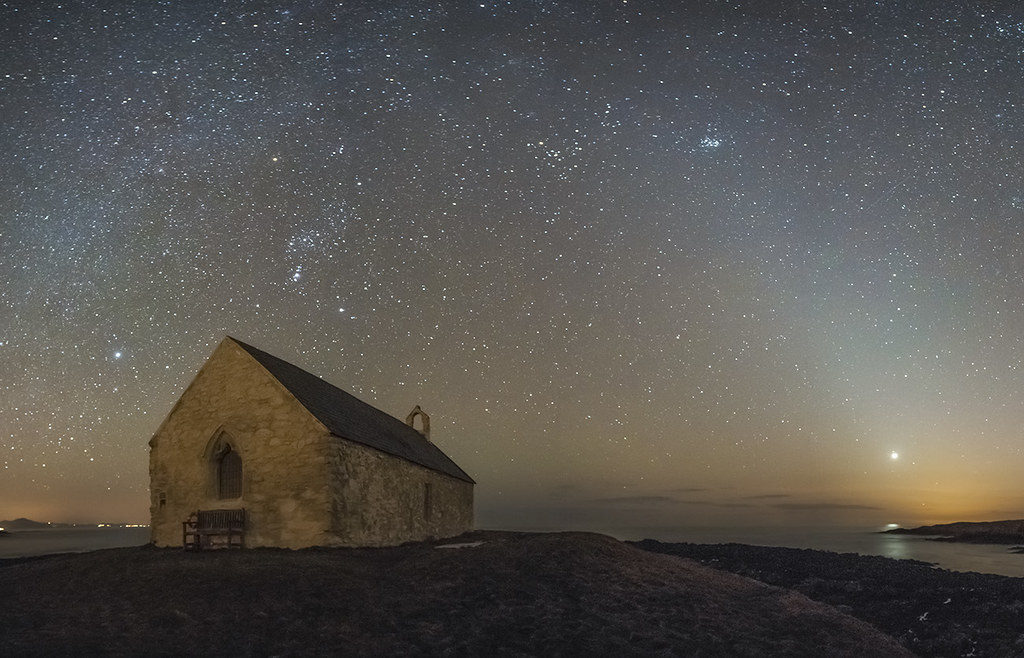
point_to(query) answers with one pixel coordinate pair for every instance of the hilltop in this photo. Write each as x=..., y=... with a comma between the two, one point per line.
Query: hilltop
x=494, y=593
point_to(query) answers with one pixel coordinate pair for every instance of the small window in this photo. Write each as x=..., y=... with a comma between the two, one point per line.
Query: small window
x=427, y=502
x=229, y=474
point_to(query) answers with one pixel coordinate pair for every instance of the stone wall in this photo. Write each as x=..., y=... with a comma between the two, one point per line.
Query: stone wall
x=382, y=500
x=283, y=450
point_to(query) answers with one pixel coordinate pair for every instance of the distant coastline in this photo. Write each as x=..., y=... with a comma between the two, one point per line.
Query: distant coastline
x=970, y=532
x=28, y=524
x=23, y=524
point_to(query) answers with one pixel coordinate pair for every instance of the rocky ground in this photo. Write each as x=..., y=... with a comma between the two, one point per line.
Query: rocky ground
x=514, y=594
x=933, y=612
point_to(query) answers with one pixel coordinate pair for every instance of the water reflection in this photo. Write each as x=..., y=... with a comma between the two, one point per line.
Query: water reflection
x=892, y=546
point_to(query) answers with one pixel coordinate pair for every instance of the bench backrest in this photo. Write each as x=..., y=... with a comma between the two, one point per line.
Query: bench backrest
x=220, y=518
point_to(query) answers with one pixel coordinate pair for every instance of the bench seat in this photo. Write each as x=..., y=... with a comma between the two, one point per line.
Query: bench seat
x=215, y=528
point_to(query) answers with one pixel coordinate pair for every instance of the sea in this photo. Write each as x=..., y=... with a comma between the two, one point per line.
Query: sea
x=77, y=539
x=982, y=558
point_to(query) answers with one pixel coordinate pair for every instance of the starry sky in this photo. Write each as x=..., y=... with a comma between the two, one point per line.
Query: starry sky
x=644, y=263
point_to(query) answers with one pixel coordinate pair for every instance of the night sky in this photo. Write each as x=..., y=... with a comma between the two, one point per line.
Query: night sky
x=644, y=263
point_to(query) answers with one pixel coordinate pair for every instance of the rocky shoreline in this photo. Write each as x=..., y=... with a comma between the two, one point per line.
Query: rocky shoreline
x=930, y=611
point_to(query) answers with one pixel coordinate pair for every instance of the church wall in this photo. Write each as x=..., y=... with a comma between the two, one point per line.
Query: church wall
x=381, y=500
x=283, y=451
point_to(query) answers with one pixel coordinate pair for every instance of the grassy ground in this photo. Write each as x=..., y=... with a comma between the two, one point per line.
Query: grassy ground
x=516, y=594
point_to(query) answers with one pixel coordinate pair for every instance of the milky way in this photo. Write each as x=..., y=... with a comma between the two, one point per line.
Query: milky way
x=655, y=261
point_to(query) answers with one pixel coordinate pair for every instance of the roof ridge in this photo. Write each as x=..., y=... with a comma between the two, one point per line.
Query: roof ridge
x=348, y=417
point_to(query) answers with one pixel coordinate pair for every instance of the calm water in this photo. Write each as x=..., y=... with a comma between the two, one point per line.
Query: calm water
x=865, y=541
x=20, y=543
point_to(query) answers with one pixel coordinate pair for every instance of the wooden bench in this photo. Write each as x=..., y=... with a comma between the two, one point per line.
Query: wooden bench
x=214, y=528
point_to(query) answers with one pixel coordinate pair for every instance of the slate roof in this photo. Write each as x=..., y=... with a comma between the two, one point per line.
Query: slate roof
x=348, y=417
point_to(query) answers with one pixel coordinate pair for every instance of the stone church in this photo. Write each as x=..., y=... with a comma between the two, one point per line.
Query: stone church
x=291, y=461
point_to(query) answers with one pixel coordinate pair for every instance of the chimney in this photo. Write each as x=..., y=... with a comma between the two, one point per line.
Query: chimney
x=410, y=420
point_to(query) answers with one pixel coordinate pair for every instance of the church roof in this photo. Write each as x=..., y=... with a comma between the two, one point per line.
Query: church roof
x=348, y=417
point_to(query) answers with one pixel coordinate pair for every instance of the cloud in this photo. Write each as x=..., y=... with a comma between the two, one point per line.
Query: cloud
x=766, y=496
x=637, y=500
x=561, y=490
x=711, y=503
x=823, y=506
x=688, y=490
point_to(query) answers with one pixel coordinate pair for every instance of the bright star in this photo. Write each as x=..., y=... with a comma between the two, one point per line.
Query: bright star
x=894, y=455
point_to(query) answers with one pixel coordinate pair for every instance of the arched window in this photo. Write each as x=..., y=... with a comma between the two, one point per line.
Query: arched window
x=229, y=474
